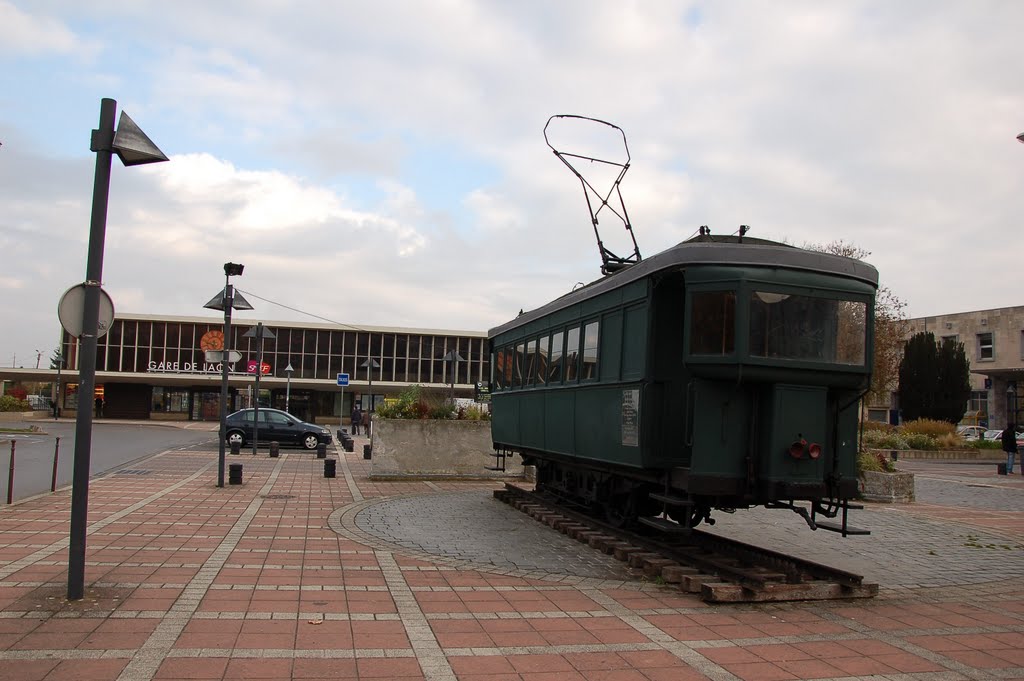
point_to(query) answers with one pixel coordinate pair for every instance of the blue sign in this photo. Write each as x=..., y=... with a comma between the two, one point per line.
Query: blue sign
x=343, y=380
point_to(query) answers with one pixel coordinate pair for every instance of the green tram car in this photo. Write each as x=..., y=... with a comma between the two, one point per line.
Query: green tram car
x=722, y=373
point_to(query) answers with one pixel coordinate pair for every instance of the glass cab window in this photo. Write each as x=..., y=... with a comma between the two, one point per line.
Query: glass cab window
x=499, y=369
x=555, y=362
x=542, y=360
x=590, y=339
x=531, y=362
x=518, y=365
x=572, y=354
x=808, y=328
x=713, y=323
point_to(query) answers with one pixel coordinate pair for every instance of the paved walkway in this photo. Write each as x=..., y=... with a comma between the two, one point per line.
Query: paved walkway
x=296, y=576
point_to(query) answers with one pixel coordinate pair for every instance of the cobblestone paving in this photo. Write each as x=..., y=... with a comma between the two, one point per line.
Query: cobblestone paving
x=475, y=527
x=903, y=550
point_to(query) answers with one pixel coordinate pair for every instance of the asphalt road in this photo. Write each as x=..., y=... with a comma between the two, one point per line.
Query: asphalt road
x=113, y=444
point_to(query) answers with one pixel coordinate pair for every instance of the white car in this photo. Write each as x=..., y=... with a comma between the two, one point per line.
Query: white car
x=971, y=432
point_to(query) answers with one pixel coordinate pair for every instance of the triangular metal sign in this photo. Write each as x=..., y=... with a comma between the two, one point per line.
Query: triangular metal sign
x=239, y=302
x=133, y=146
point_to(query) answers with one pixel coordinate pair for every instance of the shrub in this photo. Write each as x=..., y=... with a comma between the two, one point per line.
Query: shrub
x=950, y=441
x=12, y=403
x=929, y=427
x=920, y=441
x=868, y=461
x=878, y=426
x=417, y=403
x=876, y=439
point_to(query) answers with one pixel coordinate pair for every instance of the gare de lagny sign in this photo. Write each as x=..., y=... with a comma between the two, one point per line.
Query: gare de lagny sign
x=190, y=368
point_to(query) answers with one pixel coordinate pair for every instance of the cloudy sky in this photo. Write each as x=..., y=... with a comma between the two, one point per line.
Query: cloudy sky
x=384, y=164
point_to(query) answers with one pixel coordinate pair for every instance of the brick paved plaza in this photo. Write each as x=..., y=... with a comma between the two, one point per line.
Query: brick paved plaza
x=296, y=576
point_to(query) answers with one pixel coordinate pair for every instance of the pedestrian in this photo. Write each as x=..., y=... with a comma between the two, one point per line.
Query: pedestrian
x=366, y=423
x=357, y=418
x=99, y=407
x=1010, y=447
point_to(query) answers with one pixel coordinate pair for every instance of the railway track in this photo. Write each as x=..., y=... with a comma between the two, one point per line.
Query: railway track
x=720, y=570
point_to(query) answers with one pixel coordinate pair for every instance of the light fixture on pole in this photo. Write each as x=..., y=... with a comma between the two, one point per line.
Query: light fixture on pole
x=452, y=357
x=370, y=364
x=133, y=147
x=226, y=300
x=288, y=371
x=1020, y=138
x=260, y=333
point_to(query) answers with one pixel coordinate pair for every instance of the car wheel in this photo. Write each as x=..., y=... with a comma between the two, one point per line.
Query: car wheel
x=236, y=437
x=310, y=441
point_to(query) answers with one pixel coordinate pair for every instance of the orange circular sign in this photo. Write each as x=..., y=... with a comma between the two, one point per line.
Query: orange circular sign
x=212, y=340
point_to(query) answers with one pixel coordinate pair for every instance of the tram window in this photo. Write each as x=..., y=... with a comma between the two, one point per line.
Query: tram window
x=508, y=367
x=807, y=328
x=713, y=323
x=517, y=368
x=531, y=363
x=590, y=339
x=555, y=362
x=542, y=360
x=572, y=354
x=499, y=369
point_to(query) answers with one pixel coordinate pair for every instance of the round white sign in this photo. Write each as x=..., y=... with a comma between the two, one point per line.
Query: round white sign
x=71, y=309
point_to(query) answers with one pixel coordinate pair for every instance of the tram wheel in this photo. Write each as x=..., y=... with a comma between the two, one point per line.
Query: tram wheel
x=619, y=510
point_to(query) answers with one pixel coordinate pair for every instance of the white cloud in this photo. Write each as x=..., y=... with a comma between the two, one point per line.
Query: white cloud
x=31, y=34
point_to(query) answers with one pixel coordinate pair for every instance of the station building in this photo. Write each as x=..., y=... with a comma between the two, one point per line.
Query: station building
x=154, y=367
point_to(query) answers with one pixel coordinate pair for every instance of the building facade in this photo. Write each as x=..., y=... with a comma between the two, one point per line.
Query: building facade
x=155, y=367
x=994, y=344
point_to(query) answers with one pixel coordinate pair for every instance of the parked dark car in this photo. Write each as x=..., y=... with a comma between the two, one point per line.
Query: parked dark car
x=275, y=425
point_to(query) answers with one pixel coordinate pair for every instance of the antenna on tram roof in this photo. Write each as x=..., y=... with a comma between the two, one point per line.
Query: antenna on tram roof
x=610, y=262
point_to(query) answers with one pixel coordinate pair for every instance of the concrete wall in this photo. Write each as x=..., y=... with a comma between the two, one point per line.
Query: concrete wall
x=434, y=448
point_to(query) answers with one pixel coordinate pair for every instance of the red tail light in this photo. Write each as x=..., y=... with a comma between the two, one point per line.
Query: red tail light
x=815, y=450
x=796, y=450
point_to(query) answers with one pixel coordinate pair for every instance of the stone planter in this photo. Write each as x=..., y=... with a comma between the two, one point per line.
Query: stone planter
x=428, y=448
x=886, y=487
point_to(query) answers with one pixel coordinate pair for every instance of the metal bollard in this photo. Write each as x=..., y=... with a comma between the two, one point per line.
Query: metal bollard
x=235, y=474
x=367, y=451
x=56, y=455
x=275, y=449
x=236, y=447
x=330, y=468
x=10, y=476
x=321, y=451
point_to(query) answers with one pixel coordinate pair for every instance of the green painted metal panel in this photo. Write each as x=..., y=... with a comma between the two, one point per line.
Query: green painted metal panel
x=505, y=418
x=531, y=419
x=791, y=413
x=609, y=363
x=559, y=433
x=634, y=343
x=720, y=428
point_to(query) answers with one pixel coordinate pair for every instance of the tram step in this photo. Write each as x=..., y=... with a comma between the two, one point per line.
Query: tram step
x=837, y=527
x=665, y=525
x=670, y=500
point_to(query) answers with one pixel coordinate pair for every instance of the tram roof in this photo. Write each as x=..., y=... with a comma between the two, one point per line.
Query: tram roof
x=709, y=250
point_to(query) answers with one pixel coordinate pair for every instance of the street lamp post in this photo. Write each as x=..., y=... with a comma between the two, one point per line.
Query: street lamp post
x=56, y=398
x=288, y=371
x=260, y=333
x=133, y=147
x=226, y=300
x=1011, y=402
x=370, y=364
x=452, y=357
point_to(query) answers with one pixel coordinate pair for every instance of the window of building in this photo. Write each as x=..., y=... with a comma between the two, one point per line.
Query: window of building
x=169, y=400
x=590, y=339
x=572, y=354
x=986, y=350
x=977, y=406
x=555, y=359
